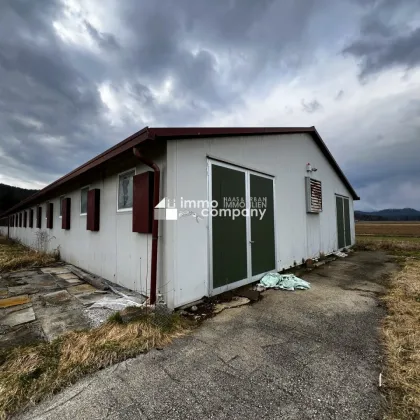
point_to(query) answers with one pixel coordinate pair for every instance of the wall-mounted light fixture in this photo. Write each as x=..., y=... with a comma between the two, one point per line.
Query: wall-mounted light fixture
x=309, y=168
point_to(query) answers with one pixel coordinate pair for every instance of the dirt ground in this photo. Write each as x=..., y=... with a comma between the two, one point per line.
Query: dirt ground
x=311, y=354
x=410, y=229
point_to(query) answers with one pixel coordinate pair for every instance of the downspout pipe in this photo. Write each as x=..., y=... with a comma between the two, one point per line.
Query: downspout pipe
x=155, y=225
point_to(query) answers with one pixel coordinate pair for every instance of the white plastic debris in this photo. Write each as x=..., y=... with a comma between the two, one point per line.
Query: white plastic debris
x=340, y=254
x=117, y=304
x=283, y=281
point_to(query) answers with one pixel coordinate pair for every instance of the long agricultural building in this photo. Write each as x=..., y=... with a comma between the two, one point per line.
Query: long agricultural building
x=191, y=212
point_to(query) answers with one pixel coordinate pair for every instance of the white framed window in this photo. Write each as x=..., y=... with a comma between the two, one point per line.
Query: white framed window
x=125, y=190
x=83, y=200
x=61, y=206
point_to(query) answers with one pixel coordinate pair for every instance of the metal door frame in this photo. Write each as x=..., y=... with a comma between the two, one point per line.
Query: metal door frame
x=249, y=278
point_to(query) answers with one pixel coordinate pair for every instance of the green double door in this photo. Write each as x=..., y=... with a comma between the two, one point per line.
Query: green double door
x=242, y=232
x=343, y=221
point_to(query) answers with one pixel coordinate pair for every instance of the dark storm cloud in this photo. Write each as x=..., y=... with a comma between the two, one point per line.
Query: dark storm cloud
x=178, y=42
x=381, y=153
x=51, y=112
x=49, y=89
x=48, y=110
x=104, y=40
x=386, y=39
x=312, y=106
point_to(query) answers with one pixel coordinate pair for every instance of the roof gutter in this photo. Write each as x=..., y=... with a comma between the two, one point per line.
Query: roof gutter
x=155, y=225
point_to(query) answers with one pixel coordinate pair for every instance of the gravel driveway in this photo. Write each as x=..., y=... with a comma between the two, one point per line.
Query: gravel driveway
x=294, y=355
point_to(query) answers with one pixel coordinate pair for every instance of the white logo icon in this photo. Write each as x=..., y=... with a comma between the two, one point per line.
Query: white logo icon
x=166, y=210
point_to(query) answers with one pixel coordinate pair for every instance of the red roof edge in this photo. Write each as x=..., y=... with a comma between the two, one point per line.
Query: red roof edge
x=180, y=132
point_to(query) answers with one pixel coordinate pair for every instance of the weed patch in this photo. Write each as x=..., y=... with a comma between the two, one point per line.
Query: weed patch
x=401, y=334
x=29, y=374
x=14, y=256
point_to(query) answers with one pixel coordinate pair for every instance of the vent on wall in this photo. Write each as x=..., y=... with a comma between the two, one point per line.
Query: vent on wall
x=313, y=195
x=93, y=205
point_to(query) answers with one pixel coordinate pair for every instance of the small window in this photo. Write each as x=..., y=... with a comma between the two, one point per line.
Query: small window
x=83, y=200
x=61, y=205
x=125, y=190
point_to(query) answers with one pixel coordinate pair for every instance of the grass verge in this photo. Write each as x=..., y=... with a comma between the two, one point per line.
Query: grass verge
x=394, y=245
x=29, y=374
x=401, y=334
x=401, y=328
x=14, y=256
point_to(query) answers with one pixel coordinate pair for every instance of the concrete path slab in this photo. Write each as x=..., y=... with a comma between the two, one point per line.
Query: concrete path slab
x=311, y=354
x=19, y=274
x=57, y=298
x=83, y=288
x=18, y=317
x=43, y=280
x=56, y=320
x=14, y=301
x=55, y=270
x=25, y=334
x=68, y=276
x=27, y=288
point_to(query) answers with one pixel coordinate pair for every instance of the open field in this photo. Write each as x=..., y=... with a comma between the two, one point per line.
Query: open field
x=407, y=229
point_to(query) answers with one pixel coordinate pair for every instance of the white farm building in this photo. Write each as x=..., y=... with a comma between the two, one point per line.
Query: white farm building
x=246, y=201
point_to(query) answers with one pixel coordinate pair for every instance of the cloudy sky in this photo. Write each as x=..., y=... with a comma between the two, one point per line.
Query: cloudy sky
x=77, y=76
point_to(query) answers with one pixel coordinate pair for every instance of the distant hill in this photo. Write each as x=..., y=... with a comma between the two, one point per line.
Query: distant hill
x=388, y=215
x=9, y=196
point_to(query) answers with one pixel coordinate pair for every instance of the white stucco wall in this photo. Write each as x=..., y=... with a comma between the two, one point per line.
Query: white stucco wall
x=121, y=256
x=114, y=252
x=299, y=235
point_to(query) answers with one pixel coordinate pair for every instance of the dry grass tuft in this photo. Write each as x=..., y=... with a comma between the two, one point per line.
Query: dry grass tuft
x=401, y=334
x=14, y=256
x=28, y=374
x=391, y=244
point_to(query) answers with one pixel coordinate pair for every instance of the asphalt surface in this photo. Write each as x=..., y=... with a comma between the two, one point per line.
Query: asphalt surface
x=294, y=355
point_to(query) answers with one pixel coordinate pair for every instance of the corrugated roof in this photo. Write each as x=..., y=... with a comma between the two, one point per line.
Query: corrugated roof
x=153, y=134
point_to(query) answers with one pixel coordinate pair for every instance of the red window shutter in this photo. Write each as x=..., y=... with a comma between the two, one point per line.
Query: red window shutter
x=93, y=204
x=31, y=218
x=39, y=217
x=50, y=214
x=25, y=219
x=143, y=202
x=65, y=213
